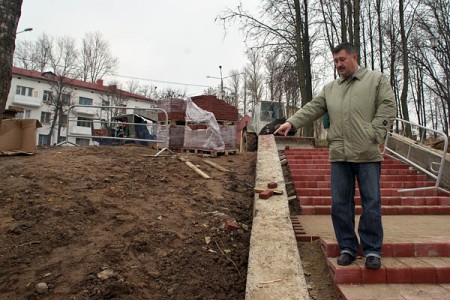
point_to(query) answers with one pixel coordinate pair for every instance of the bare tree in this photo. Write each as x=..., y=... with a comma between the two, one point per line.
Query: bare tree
x=357, y=27
x=254, y=82
x=210, y=91
x=96, y=58
x=63, y=61
x=10, y=11
x=378, y=9
x=234, y=88
x=331, y=28
x=115, y=101
x=404, y=41
x=282, y=25
x=274, y=78
x=34, y=55
x=343, y=16
x=171, y=93
x=434, y=24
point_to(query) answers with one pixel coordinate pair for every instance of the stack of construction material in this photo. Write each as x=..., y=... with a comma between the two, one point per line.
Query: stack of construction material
x=225, y=114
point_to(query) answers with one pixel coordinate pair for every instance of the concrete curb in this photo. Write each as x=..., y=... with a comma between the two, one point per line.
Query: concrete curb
x=274, y=266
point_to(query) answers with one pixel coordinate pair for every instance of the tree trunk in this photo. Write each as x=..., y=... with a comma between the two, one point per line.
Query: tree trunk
x=343, y=22
x=303, y=60
x=404, y=95
x=53, y=124
x=10, y=11
x=350, y=24
x=357, y=27
x=380, y=33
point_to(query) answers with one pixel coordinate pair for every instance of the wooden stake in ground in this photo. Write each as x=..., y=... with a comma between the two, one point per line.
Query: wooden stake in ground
x=195, y=168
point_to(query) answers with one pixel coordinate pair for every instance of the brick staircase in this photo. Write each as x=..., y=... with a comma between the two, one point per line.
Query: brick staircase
x=416, y=250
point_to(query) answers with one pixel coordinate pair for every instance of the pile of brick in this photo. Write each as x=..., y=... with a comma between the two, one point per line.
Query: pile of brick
x=226, y=115
x=194, y=137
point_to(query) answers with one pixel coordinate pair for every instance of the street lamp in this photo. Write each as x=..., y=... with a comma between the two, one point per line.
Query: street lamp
x=25, y=30
x=222, y=91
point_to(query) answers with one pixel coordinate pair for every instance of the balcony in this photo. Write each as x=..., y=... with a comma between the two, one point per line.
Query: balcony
x=20, y=100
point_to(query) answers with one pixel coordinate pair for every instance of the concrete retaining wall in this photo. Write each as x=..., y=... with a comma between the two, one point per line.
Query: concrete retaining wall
x=274, y=267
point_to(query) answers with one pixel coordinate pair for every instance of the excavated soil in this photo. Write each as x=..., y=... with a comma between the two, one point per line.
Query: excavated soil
x=117, y=223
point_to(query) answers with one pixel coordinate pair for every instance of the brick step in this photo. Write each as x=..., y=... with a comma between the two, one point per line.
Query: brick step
x=383, y=184
x=384, y=192
x=312, y=160
x=393, y=270
x=415, y=177
x=394, y=291
x=297, y=172
x=322, y=157
x=325, y=166
x=385, y=210
x=306, y=151
x=395, y=200
x=434, y=247
x=325, y=161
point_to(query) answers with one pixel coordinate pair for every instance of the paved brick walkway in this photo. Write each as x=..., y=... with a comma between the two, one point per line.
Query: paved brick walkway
x=416, y=249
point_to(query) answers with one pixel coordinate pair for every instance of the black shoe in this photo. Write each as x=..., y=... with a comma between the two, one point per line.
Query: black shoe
x=373, y=262
x=345, y=259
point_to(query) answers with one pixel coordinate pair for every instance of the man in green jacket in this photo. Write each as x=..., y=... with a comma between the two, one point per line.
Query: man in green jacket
x=361, y=107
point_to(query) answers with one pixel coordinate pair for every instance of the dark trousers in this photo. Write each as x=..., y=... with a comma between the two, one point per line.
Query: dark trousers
x=370, y=228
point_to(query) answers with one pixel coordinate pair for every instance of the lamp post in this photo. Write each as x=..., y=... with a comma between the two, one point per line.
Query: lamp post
x=222, y=91
x=25, y=30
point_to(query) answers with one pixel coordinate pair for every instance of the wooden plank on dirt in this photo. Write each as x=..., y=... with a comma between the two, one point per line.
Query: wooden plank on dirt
x=195, y=168
x=214, y=165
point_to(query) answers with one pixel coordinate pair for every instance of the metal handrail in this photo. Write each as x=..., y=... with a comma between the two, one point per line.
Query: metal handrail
x=71, y=118
x=435, y=174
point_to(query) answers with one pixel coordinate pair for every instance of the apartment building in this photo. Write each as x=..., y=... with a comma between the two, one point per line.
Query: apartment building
x=89, y=103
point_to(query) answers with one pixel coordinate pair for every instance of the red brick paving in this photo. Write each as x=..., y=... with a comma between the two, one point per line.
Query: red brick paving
x=416, y=250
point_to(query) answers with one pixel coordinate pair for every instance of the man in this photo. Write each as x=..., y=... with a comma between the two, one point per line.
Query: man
x=361, y=107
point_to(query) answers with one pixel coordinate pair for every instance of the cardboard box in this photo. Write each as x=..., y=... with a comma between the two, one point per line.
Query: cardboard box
x=18, y=136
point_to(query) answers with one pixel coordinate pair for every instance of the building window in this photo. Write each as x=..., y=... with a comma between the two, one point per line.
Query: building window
x=84, y=122
x=63, y=120
x=82, y=142
x=45, y=117
x=85, y=101
x=24, y=91
x=26, y=114
x=44, y=140
x=65, y=98
x=47, y=97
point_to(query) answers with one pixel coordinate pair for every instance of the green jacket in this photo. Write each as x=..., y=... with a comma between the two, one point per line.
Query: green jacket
x=361, y=111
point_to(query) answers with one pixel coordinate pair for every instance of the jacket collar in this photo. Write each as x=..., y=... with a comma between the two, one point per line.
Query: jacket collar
x=360, y=73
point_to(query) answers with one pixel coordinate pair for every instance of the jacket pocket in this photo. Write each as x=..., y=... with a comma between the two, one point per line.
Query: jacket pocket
x=362, y=138
x=371, y=132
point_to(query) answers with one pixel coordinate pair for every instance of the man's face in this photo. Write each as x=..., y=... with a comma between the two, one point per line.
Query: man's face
x=346, y=64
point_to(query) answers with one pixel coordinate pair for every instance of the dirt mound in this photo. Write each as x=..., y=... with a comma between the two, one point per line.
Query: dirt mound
x=116, y=223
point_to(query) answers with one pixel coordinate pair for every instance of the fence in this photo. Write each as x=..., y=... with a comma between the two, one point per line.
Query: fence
x=109, y=129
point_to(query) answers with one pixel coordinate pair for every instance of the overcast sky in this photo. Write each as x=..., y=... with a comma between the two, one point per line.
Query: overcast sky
x=162, y=40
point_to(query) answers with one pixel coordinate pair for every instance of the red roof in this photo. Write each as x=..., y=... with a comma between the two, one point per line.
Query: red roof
x=78, y=83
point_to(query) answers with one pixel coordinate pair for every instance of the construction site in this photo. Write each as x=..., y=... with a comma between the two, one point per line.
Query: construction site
x=185, y=213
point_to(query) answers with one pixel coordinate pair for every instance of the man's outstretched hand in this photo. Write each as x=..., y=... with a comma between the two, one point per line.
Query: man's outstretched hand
x=283, y=129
